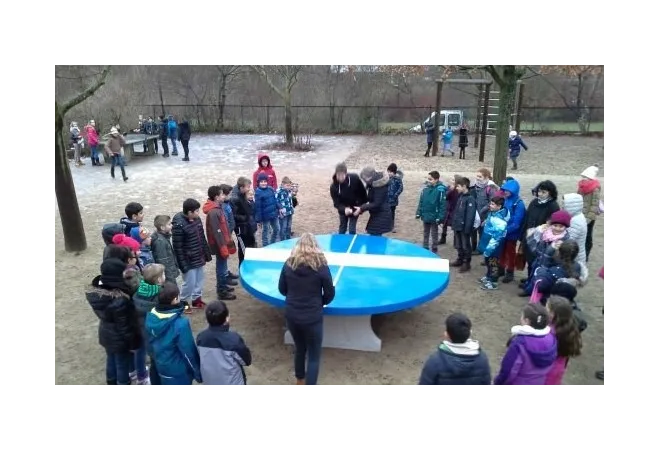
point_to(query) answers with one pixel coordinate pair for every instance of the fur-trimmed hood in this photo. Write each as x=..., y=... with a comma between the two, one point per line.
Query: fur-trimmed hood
x=380, y=179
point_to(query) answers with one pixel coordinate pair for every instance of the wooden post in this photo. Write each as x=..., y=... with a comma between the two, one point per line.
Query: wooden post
x=512, y=121
x=478, y=116
x=436, y=121
x=484, y=124
x=519, y=107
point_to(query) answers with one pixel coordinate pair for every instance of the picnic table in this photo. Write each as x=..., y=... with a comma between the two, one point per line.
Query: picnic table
x=135, y=145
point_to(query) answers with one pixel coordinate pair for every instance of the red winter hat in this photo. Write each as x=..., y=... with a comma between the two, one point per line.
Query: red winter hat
x=561, y=217
x=123, y=240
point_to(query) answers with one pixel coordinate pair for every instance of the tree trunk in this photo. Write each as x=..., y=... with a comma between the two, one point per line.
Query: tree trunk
x=65, y=192
x=160, y=94
x=288, y=126
x=222, y=99
x=333, y=124
x=507, y=93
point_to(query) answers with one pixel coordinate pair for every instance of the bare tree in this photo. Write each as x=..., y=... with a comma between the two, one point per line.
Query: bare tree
x=281, y=80
x=65, y=191
x=226, y=74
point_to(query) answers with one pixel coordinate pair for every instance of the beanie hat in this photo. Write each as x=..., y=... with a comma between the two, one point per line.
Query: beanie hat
x=112, y=273
x=561, y=217
x=122, y=239
x=367, y=173
x=590, y=172
x=262, y=177
x=512, y=133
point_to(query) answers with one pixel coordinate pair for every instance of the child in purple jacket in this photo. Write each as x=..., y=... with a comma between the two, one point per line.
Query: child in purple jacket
x=532, y=350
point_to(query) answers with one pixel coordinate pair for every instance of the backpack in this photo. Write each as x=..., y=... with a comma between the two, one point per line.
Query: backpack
x=110, y=229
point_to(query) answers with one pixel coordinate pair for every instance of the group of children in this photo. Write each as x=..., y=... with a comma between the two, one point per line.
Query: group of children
x=139, y=302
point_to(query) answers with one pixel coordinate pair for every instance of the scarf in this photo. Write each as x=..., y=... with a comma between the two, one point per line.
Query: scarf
x=549, y=236
x=586, y=187
x=481, y=183
x=542, y=201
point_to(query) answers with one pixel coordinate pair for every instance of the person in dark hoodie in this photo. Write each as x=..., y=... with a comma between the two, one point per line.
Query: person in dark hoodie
x=219, y=239
x=452, y=198
x=192, y=252
x=380, y=214
x=222, y=352
x=163, y=134
x=459, y=359
x=538, y=213
x=161, y=247
x=306, y=284
x=532, y=350
x=463, y=223
x=516, y=207
x=184, y=137
x=119, y=332
x=243, y=216
x=347, y=193
x=395, y=189
x=145, y=299
x=171, y=342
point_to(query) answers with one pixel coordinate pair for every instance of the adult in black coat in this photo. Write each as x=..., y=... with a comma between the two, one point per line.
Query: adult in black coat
x=538, y=213
x=380, y=214
x=119, y=333
x=184, y=137
x=243, y=216
x=347, y=192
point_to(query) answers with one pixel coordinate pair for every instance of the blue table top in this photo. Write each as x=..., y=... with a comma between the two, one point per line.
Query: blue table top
x=371, y=274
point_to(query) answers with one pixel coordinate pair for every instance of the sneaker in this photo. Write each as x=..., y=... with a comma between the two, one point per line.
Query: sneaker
x=232, y=276
x=226, y=295
x=144, y=381
x=186, y=308
x=231, y=282
x=600, y=375
x=489, y=286
x=482, y=280
x=133, y=376
x=185, y=159
x=175, y=153
x=198, y=303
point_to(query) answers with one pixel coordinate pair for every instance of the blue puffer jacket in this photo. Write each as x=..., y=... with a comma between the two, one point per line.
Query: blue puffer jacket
x=516, y=207
x=514, y=146
x=172, y=345
x=266, y=206
x=172, y=128
x=492, y=239
x=395, y=188
x=285, y=198
x=447, y=136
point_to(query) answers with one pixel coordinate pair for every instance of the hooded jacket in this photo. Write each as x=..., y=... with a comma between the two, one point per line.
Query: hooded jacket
x=217, y=228
x=222, y=355
x=395, y=188
x=516, y=207
x=432, y=205
x=190, y=246
x=349, y=194
x=380, y=214
x=455, y=364
x=514, y=146
x=171, y=344
x=492, y=239
x=266, y=206
x=573, y=205
x=529, y=357
x=184, y=131
x=243, y=212
x=268, y=170
x=306, y=291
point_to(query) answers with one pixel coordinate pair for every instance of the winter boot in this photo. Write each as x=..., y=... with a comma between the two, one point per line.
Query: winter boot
x=508, y=277
x=465, y=267
x=226, y=295
x=457, y=263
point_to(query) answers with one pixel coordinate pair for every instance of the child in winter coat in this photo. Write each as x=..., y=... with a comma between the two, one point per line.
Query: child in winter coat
x=573, y=204
x=462, y=224
x=447, y=136
x=429, y=127
x=146, y=299
x=569, y=341
x=93, y=141
x=284, y=196
x=452, y=198
x=161, y=247
x=267, y=210
x=462, y=139
x=491, y=243
x=171, y=342
x=515, y=142
x=562, y=268
x=432, y=208
x=143, y=237
x=543, y=241
x=231, y=221
x=532, y=350
x=589, y=189
x=218, y=235
x=395, y=189
x=483, y=190
x=264, y=167
x=516, y=207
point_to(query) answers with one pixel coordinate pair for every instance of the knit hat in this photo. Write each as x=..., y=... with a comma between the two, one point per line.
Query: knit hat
x=262, y=177
x=512, y=133
x=561, y=217
x=112, y=270
x=590, y=172
x=122, y=239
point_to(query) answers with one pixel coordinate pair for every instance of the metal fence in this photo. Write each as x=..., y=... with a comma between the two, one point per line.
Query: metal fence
x=361, y=119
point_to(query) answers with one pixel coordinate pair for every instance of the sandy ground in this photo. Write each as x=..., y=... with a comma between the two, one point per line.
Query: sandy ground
x=408, y=337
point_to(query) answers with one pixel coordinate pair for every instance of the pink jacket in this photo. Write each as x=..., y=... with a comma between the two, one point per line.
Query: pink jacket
x=558, y=369
x=92, y=135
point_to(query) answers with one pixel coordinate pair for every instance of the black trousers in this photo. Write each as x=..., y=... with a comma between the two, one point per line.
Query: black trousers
x=185, y=146
x=393, y=208
x=588, y=245
x=249, y=241
x=461, y=154
x=166, y=149
x=463, y=245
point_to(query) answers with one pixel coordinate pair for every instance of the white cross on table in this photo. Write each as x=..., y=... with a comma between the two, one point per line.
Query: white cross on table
x=347, y=259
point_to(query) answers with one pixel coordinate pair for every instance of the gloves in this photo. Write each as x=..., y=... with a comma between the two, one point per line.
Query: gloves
x=224, y=252
x=231, y=247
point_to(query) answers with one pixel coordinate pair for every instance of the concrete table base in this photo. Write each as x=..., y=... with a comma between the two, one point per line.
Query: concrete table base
x=347, y=333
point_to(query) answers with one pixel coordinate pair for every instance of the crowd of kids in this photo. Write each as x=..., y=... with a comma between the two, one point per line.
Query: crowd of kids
x=141, y=305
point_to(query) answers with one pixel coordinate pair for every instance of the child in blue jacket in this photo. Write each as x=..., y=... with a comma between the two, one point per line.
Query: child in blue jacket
x=267, y=211
x=515, y=142
x=491, y=243
x=171, y=343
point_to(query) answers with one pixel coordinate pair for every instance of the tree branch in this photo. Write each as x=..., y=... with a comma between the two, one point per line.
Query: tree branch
x=263, y=74
x=86, y=93
x=492, y=71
